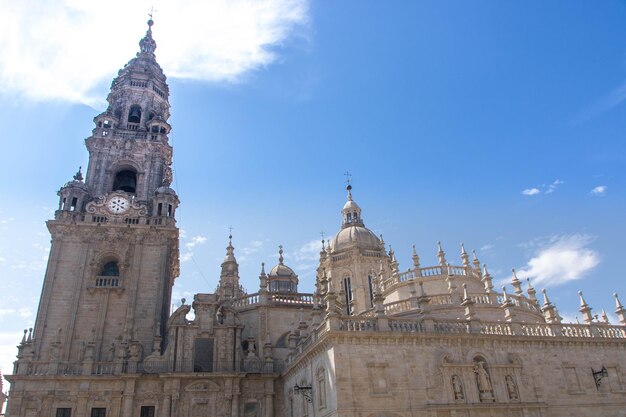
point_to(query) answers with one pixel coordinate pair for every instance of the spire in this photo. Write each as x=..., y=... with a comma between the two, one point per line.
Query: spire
x=486, y=279
x=531, y=291
x=550, y=312
x=584, y=309
x=475, y=261
x=262, y=278
x=230, y=250
x=441, y=255
x=605, y=317
x=464, y=256
x=229, y=277
x=416, y=259
x=147, y=45
x=619, y=310
x=516, y=283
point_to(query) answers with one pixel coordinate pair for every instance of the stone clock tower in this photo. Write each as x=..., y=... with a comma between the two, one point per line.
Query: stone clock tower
x=114, y=253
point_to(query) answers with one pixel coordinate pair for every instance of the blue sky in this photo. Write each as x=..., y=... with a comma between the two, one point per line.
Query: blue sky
x=497, y=124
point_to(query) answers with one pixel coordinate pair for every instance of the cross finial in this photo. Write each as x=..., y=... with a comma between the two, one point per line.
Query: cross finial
x=230, y=234
x=151, y=14
x=348, y=177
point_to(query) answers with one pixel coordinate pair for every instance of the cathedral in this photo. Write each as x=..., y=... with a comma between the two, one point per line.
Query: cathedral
x=370, y=341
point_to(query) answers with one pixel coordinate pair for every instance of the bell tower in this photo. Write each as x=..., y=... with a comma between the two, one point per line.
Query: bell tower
x=114, y=251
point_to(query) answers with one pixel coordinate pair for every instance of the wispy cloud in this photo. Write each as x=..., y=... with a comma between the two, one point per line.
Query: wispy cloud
x=543, y=188
x=613, y=99
x=560, y=259
x=189, y=245
x=58, y=50
x=249, y=249
x=487, y=248
x=599, y=190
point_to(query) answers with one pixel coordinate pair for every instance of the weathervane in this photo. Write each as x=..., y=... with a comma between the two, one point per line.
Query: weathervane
x=151, y=14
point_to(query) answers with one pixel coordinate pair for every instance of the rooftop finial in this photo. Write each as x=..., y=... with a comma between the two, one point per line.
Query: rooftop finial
x=280, y=254
x=147, y=45
x=464, y=256
x=79, y=175
x=349, y=187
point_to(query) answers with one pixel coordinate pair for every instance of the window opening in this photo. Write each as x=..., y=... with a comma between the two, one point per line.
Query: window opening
x=64, y=412
x=159, y=209
x=147, y=411
x=349, y=218
x=169, y=210
x=98, y=412
x=125, y=180
x=74, y=203
x=134, y=114
x=110, y=269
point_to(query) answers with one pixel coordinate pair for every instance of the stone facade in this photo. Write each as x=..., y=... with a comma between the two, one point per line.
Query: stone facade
x=371, y=341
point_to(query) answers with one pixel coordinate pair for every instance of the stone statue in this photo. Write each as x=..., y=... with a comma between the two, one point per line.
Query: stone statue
x=457, y=387
x=511, y=388
x=484, y=381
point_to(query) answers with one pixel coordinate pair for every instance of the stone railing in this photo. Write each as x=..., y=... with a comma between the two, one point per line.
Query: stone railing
x=493, y=299
x=297, y=299
x=568, y=330
x=77, y=216
x=69, y=368
x=431, y=271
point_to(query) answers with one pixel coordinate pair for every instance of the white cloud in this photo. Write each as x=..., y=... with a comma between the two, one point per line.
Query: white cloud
x=64, y=49
x=543, y=188
x=561, y=259
x=194, y=241
x=599, y=190
x=189, y=245
x=531, y=191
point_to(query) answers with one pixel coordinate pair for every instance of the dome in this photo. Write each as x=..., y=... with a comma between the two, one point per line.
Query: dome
x=165, y=190
x=351, y=205
x=282, y=270
x=76, y=184
x=361, y=237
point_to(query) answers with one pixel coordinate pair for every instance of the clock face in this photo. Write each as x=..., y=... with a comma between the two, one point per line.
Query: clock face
x=118, y=205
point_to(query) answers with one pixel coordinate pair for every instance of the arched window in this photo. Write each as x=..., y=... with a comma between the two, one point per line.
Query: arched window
x=110, y=269
x=370, y=285
x=134, y=114
x=125, y=180
x=355, y=216
x=349, y=218
x=347, y=288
